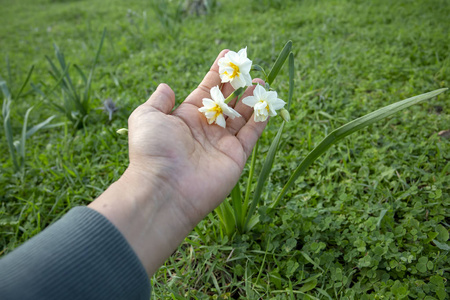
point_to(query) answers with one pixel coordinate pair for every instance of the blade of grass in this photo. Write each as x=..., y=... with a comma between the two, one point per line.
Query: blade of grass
x=236, y=203
x=8, y=69
x=39, y=126
x=279, y=62
x=268, y=163
x=250, y=181
x=81, y=73
x=24, y=83
x=64, y=66
x=291, y=79
x=348, y=129
x=24, y=138
x=6, y=112
x=91, y=73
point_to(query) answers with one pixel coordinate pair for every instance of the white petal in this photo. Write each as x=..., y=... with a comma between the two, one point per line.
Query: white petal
x=208, y=103
x=250, y=101
x=230, y=112
x=248, y=79
x=259, y=92
x=237, y=82
x=220, y=120
x=232, y=56
x=245, y=66
x=224, y=61
x=243, y=52
x=210, y=115
x=272, y=111
x=271, y=96
x=277, y=104
x=217, y=95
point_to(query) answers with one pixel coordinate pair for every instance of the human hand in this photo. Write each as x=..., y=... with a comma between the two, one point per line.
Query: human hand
x=181, y=167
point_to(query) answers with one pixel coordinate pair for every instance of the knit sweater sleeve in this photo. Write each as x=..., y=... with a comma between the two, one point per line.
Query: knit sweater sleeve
x=81, y=256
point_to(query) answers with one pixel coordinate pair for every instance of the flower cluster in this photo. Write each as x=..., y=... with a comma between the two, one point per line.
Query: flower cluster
x=235, y=69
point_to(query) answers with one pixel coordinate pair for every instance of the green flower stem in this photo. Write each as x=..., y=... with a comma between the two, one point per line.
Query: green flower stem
x=234, y=94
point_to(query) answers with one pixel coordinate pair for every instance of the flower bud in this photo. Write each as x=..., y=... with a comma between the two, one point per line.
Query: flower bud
x=122, y=131
x=285, y=115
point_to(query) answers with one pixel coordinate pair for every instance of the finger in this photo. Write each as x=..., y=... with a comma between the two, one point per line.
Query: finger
x=249, y=134
x=211, y=79
x=163, y=99
x=234, y=125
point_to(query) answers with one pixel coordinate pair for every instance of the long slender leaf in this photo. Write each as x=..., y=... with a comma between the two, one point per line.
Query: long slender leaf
x=24, y=138
x=268, y=163
x=6, y=112
x=81, y=73
x=91, y=73
x=348, y=129
x=39, y=126
x=236, y=201
x=225, y=214
x=291, y=79
x=8, y=69
x=62, y=63
x=279, y=62
x=25, y=83
x=40, y=92
x=250, y=180
x=7, y=124
x=5, y=90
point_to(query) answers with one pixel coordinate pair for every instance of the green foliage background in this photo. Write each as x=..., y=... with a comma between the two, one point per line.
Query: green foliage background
x=369, y=220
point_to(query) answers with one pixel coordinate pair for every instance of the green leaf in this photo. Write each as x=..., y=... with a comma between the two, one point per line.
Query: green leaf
x=279, y=62
x=81, y=73
x=91, y=73
x=6, y=112
x=289, y=245
x=443, y=235
x=24, y=137
x=25, y=82
x=380, y=218
x=39, y=126
x=250, y=180
x=268, y=163
x=306, y=256
x=309, y=286
x=5, y=90
x=323, y=292
x=441, y=246
x=291, y=79
x=236, y=203
x=348, y=129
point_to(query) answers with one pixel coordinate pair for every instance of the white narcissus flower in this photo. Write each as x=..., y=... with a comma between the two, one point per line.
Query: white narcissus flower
x=265, y=103
x=235, y=68
x=215, y=108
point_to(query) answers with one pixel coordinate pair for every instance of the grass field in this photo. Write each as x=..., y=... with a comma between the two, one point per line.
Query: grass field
x=369, y=220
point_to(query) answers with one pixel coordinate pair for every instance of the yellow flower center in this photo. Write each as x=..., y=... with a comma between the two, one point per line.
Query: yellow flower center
x=235, y=70
x=267, y=106
x=218, y=110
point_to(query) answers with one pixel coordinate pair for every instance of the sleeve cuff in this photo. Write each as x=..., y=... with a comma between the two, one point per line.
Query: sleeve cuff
x=81, y=256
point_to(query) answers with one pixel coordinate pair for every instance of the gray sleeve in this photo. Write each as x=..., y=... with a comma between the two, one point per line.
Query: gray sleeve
x=81, y=256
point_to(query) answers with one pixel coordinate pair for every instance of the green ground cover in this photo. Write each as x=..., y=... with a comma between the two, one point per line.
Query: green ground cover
x=369, y=220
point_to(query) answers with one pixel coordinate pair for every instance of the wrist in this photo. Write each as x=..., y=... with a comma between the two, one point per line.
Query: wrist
x=143, y=210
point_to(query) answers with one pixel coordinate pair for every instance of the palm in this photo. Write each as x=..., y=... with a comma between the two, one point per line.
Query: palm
x=202, y=162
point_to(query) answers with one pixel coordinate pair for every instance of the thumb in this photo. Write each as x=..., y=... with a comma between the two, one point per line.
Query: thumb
x=163, y=99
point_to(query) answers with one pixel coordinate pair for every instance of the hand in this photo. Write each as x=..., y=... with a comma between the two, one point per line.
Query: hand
x=181, y=167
